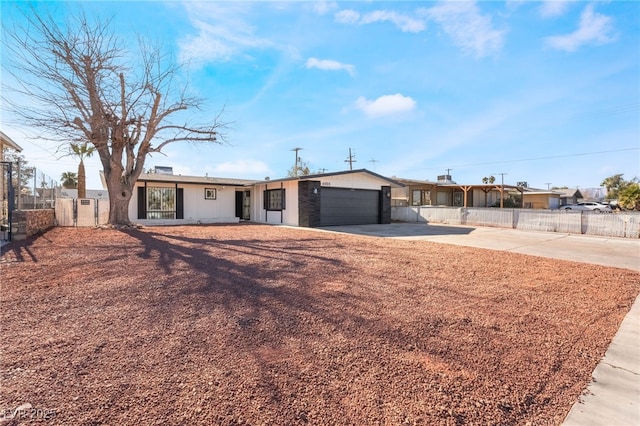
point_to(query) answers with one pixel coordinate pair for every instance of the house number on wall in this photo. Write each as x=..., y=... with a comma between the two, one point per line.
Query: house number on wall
x=325, y=183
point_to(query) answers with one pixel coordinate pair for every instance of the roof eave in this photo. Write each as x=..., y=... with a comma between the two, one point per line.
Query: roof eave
x=6, y=140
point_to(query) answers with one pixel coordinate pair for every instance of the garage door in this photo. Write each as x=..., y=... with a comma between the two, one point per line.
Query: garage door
x=340, y=206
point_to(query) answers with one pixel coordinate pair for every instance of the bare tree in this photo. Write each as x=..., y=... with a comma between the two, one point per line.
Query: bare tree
x=301, y=169
x=84, y=87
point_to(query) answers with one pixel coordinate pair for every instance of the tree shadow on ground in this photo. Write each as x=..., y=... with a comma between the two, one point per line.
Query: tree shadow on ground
x=280, y=308
x=264, y=324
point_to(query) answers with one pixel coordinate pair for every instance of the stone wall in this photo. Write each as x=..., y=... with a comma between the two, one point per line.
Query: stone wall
x=30, y=222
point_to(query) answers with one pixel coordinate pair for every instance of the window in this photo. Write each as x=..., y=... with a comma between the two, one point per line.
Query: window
x=161, y=203
x=415, y=198
x=458, y=199
x=210, y=194
x=421, y=198
x=274, y=199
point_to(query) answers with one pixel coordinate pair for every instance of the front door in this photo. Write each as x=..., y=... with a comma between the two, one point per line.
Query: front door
x=246, y=205
x=458, y=199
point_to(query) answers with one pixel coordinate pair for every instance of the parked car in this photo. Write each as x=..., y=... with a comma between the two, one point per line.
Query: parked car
x=589, y=206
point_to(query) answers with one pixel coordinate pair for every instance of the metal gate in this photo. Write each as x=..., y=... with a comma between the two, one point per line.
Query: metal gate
x=83, y=212
x=8, y=202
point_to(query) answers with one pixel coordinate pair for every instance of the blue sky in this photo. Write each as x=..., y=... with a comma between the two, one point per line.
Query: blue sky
x=543, y=92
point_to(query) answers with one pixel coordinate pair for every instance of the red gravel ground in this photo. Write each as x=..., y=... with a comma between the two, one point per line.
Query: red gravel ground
x=256, y=324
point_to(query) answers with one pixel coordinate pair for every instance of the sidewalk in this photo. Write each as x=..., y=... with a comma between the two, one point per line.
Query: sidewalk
x=613, y=396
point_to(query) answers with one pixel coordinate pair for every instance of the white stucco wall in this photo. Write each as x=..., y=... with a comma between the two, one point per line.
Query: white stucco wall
x=288, y=216
x=353, y=180
x=197, y=209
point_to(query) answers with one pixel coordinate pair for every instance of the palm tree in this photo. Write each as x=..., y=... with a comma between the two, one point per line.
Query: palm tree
x=82, y=151
x=69, y=180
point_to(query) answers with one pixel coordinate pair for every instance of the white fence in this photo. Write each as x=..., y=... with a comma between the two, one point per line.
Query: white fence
x=617, y=224
x=82, y=212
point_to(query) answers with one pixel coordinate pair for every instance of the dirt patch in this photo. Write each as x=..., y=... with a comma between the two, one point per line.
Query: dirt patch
x=254, y=324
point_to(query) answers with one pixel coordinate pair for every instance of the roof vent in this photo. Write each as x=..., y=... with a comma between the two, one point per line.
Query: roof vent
x=162, y=170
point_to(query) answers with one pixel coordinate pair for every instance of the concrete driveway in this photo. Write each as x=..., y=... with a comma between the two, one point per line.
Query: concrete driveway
x=614, y=252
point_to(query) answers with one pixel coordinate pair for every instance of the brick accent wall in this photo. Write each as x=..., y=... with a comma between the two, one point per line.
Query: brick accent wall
x=31, y=222
x=309, y=203
x=385, y=204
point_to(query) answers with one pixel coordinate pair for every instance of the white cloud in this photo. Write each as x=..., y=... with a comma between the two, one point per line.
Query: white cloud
x=385, y=105
x=594, y=29
x=553, y=8
x=324, y=7
x=330, y=65
x=347, y=16
x=469, y=29
x=405, y=23
x=222, y=32
x=254, y=168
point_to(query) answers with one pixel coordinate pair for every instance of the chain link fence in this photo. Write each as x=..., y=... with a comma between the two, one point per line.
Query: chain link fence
x=37, y=191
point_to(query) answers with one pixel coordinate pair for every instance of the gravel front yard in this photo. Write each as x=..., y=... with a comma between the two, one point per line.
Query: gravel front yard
x=256, y=324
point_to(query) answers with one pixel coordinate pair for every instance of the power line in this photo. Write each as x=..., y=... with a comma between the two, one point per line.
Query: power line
x=609, y=111
x=539, y=158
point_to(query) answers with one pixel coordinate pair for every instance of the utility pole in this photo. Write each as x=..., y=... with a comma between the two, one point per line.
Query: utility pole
x=501, y=189
x=351, y=159
x=295, y=167
x=374, y=163
x=548, y=185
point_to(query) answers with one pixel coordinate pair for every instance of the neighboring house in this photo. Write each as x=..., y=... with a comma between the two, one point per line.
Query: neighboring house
x=540, y=199
x=569, y=196
x=7, y=142
x=445, y=192
x=448, y=193
x=7, y=202
x=350, y=197
x=413, y=193
x=489, y=195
